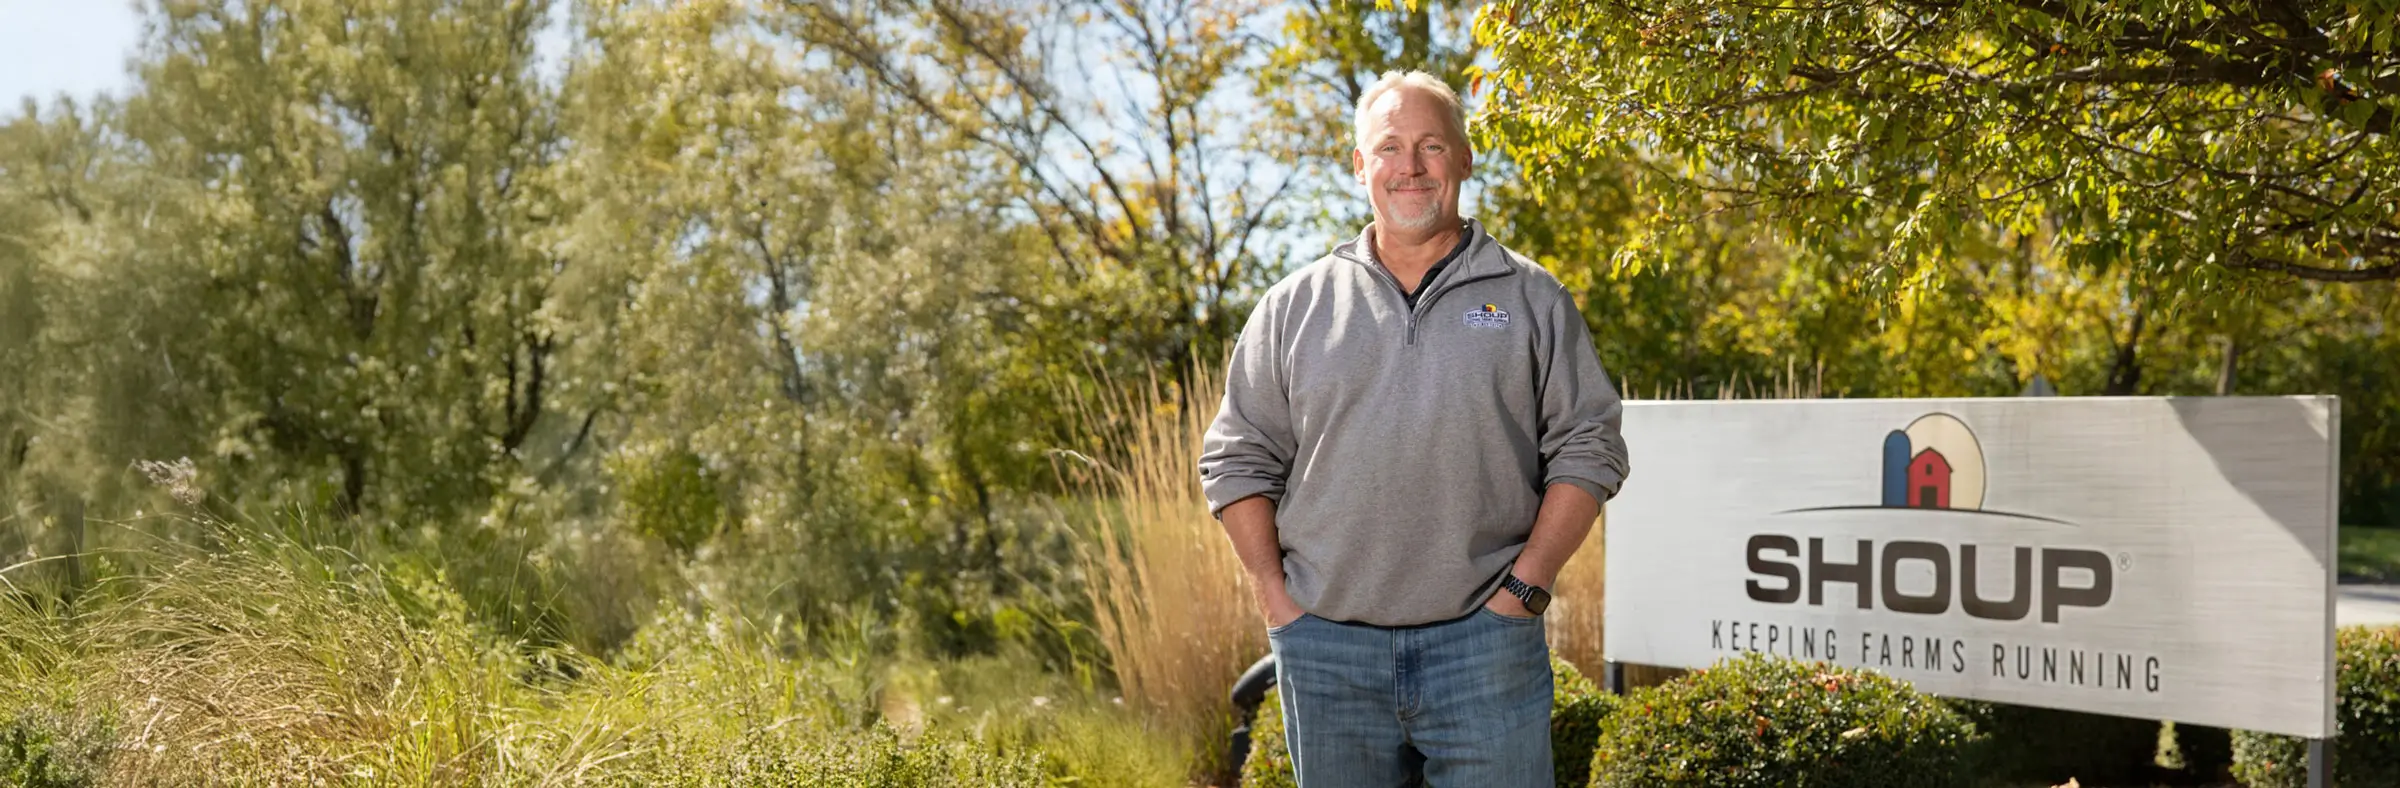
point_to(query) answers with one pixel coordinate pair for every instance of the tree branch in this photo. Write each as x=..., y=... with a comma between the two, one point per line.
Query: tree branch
x=2249, y=260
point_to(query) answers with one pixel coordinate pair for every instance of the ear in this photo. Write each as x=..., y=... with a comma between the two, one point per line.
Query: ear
x=1358, y=166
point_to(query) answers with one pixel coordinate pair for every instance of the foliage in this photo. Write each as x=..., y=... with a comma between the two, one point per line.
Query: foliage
x=1578, y=709
x=670, y=498
x=1903, y=200
x=1577, y=714
x=822, y=382
x=1735, y=310
x=690, y=313
x=879, y=759
x=356, y=236
x=2183, y=138
x=53, y=748
x=2370, y=554
x=2366, y=747
x=1270, y=762
x=1081, y=737
x=1147, y=190
x=1761, y=721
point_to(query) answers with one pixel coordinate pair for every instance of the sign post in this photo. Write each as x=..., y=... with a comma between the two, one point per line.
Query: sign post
x=2155, y=558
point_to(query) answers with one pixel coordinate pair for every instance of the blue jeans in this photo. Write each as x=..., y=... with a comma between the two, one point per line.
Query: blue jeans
x=1465, y=703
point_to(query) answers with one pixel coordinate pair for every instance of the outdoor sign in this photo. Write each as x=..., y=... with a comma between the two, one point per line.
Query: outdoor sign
x=2160, y=558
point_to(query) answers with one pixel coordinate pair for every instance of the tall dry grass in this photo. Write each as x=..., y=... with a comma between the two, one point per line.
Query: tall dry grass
x=263, y=663
x=267, y=662
x=1170, y=600
x=1575, y=623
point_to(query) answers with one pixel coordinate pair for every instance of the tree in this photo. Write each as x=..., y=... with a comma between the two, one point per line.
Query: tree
x=375, y=324
x=832, y=343
x=2188, y=139
x=1146, y=186
x=98, y=310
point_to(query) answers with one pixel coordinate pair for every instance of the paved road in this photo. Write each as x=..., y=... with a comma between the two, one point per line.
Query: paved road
x=2365, y=604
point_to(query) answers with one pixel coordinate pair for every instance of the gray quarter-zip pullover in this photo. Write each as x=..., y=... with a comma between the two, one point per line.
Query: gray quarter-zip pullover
x=1407, y=448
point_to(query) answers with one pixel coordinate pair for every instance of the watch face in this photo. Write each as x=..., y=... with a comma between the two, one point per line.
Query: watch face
x=1540, y=601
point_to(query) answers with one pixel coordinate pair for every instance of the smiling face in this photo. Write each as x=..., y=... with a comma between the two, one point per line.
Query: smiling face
x=1412, y=158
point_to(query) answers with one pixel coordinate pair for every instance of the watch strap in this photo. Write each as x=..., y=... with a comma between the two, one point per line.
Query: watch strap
x=1523, y=591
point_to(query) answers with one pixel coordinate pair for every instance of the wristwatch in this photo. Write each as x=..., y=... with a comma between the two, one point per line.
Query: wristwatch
x=1536, y=598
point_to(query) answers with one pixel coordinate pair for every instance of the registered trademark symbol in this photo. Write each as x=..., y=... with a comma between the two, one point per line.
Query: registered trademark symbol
x=2124, y=560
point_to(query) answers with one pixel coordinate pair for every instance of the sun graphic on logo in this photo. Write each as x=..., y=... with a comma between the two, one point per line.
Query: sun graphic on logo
x=1935, y=463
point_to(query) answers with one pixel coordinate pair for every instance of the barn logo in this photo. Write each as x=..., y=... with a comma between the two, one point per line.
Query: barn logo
x=1935, y=463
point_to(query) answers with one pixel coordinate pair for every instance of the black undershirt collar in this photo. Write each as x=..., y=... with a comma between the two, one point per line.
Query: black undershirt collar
x=1435, y=272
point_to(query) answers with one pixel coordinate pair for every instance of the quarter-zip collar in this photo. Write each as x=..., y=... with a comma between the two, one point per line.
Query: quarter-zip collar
x=1483, y=259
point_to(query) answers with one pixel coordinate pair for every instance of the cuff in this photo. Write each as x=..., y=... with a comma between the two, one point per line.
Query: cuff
x=1227, y=491
x=1600, y=492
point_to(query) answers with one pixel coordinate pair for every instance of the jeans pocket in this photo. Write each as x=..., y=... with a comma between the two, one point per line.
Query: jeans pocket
x=1513, y=621
x=1287, y=626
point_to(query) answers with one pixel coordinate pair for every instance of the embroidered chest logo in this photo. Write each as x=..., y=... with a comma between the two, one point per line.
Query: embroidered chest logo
x=1487, y=316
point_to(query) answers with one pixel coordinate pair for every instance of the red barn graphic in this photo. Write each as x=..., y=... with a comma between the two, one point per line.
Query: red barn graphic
x=1929, y=480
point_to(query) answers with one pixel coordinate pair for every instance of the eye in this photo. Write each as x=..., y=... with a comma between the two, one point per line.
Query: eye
x=1438, y=148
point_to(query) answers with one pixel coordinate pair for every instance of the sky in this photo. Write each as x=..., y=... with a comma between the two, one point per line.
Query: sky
x=75, y=47
x=79, y=48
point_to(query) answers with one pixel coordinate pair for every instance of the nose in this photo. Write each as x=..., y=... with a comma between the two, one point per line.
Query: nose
x=1414, y=163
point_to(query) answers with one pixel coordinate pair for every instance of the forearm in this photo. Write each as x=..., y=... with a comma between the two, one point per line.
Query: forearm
x=1558, y=531
x=1250, y=524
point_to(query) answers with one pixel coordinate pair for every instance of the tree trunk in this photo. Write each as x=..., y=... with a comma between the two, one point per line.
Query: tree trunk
x=70, y=526
x=2125, y=373
x=2226, y=367
x=354, y=481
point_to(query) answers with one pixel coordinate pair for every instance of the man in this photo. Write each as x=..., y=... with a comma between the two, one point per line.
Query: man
x=1416, y=434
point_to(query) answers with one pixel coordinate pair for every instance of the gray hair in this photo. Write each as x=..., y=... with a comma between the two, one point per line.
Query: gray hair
x=1393, y=80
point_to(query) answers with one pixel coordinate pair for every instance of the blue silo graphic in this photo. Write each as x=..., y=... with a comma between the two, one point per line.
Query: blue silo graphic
x=1895, y=469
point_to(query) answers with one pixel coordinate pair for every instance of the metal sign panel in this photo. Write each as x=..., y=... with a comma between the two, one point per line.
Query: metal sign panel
x=2160, y=558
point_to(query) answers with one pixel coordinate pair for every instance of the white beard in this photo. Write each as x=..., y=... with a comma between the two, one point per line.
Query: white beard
x=1421, y=220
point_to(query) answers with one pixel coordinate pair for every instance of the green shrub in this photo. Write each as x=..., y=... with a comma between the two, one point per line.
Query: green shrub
x=1270, y=761
x=1013, y=706
x=880, y=758
x=1760, y=721
x=1577, y=709
x=2366, y=751
x=1095, y=747
x=2028, y=745
x=42, y=748
x=668, y=495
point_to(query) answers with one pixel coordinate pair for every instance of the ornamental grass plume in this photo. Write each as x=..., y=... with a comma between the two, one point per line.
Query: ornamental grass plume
x=1171, y=603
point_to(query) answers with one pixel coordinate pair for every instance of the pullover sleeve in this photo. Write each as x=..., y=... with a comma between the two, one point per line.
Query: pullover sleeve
x=1581, y=413
x=1248, y=449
